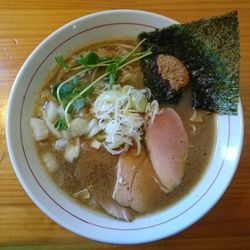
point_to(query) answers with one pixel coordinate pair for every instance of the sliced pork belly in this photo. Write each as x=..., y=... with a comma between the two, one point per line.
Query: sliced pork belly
x=167, y=143
x=135, y=185
x=127, y=168
x=114, y=209
x=145, y=190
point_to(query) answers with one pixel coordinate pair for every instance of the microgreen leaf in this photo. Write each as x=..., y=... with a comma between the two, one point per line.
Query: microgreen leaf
x=65, y=90
x=112, y=71
x=111, y=68
x=91, y=58
x=79, y=59
x=66, y=100
x=68, y=92
x=75, y=80
x=118, y=60
x=54, y=88
x=60, y=60
x=78, y=104
x=61, y=123
x=82, y=87
x=111, y=80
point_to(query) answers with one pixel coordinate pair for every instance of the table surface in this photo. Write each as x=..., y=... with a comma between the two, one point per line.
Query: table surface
x=23, y=25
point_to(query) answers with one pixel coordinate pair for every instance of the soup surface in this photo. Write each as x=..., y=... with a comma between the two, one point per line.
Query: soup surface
x=95, y=170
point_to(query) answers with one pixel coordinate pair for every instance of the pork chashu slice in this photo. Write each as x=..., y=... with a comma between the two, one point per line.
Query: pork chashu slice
x=167, y=143
x=141, y=179
x=136, y=185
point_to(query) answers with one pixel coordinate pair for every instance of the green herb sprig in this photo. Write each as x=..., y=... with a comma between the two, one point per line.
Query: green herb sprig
x=71, y=94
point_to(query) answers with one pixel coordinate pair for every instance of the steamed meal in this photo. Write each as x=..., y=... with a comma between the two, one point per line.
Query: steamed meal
x=127, y=125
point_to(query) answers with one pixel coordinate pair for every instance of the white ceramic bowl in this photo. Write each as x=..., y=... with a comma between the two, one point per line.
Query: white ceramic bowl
x=98, y=26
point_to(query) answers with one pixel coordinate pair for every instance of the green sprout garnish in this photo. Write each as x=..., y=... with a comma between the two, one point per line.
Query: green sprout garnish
x=71, y=93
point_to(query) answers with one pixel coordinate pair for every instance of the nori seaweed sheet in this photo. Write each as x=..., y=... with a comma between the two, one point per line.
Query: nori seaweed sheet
x=209, y=49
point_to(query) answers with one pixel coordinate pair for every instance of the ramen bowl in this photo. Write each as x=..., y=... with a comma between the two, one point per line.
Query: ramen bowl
x=58, y=206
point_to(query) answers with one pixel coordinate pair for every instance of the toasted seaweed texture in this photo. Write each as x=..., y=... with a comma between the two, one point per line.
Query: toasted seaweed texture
x=209, y=49
x=160, y=88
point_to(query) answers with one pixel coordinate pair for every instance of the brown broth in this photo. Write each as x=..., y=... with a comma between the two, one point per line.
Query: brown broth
x=97, y=168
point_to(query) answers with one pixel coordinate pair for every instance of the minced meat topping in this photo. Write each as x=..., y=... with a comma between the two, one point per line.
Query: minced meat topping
x=172, y=70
